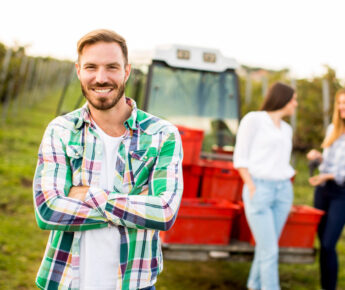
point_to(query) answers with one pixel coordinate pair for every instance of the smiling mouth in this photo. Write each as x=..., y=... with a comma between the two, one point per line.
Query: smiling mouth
x=102, y=91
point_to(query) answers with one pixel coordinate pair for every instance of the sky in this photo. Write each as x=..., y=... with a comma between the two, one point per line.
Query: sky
x=301, y=35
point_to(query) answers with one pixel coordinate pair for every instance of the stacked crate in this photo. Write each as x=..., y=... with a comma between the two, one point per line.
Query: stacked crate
x=207, y=212
x=220, y=180
x=202, y=221
x=211, y=179
x=212, y=210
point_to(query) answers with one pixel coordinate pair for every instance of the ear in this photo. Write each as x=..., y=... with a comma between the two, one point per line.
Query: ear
x=127, y=72
x=77, y=67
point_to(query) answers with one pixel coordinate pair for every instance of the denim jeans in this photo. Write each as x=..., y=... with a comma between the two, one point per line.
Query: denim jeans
x=266, y=213
x=330, y=198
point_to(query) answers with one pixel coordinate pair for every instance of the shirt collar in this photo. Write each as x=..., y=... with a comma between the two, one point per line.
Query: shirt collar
x=130, y=123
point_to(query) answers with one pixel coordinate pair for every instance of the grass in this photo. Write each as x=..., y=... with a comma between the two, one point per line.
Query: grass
x=22, y=243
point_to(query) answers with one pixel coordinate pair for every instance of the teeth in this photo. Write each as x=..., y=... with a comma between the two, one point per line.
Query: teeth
x=102, y=90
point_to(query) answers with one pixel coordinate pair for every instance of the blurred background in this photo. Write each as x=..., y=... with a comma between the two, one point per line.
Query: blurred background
x=297, y=42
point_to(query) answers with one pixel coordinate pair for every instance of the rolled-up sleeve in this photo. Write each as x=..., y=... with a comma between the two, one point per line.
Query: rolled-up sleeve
x=334, y=158
x=339, y=166
x=244, y=138
x=54, y=210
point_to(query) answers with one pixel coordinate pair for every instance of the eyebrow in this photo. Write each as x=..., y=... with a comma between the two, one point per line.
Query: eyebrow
x=88, y=63
x=108, y=64
x=113, y=64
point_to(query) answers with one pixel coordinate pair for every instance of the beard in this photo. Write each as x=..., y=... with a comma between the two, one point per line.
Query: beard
x=104, y=103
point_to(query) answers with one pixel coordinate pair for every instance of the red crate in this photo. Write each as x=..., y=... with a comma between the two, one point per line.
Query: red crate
x=301, y=227
x=241, y=231
x=227, y=150
x=221, y=181
x=202, y=221
x=191, y=143
x=299, y=230
x=191, y=180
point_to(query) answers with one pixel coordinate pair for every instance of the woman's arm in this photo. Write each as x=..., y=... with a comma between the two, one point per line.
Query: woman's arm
x=244, y=138
x=247, y=180
x=321, y=178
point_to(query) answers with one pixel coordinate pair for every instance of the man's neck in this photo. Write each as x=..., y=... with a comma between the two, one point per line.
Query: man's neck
x=112, y=121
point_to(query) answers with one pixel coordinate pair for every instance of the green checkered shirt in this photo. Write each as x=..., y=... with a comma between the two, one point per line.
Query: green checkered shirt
x=150, y=156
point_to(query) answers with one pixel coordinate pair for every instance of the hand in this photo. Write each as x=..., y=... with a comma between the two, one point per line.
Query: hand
x=314, y=154
x=78, y=192
x=319, y=179
x=145, y=192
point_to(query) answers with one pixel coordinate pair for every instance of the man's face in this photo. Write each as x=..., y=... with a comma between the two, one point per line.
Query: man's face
x=103, y=74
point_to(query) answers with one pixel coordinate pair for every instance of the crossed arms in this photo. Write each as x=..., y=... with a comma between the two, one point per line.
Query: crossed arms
x=60, y=206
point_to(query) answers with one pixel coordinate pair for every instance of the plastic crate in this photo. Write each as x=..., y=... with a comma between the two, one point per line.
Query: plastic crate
x=241, y=230
x=227, y=150
x=202, y=221
x=221, y=181
x=191, y=180
x=299, y=231
x=191, y=143
x=301, y=227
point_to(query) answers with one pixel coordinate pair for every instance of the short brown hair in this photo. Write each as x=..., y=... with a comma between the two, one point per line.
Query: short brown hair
x=104, y=35
x=277, y=97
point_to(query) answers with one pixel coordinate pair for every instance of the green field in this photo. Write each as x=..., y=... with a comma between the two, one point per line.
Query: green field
x=22, y=243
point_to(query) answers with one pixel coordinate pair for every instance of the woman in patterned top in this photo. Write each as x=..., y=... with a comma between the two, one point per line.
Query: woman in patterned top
x=330, y=191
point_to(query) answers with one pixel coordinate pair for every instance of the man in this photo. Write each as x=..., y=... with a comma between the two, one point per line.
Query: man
x=108, y=179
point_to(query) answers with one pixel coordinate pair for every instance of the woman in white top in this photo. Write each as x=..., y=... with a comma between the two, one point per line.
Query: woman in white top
x=330, y=192
x=262, y=156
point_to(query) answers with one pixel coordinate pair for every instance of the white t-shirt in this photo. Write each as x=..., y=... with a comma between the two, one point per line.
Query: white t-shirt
x=100, y=248
x=264, y=148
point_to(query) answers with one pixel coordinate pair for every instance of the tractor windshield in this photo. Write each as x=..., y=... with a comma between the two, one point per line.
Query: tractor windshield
x=197, y=99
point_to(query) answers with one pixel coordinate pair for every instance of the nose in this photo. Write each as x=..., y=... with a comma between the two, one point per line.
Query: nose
x=101, y=76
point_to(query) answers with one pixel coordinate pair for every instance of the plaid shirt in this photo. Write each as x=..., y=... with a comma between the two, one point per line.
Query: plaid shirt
x=70, y=154
x=334, y=158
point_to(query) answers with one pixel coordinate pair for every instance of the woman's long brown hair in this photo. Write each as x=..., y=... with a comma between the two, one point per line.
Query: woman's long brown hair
x=277, y=97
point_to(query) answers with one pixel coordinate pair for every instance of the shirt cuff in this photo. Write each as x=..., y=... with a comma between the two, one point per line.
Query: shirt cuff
x=339, y=179
x=116, y=208
x=240, y=164
x=97, y=198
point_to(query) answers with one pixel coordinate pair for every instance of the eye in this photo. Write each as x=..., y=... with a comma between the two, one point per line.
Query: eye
x=89, y=67
x=113, y=67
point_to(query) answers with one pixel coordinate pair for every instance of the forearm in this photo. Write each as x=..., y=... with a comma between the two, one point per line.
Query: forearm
x=321, y=179
x=66, y=214
x=54, y=210
x=158, y=209
x=144, y=211
x=155, y=209
x=247, y=179
x=329, y=176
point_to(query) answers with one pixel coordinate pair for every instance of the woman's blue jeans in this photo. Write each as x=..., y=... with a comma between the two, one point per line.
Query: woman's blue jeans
x=266, y=213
